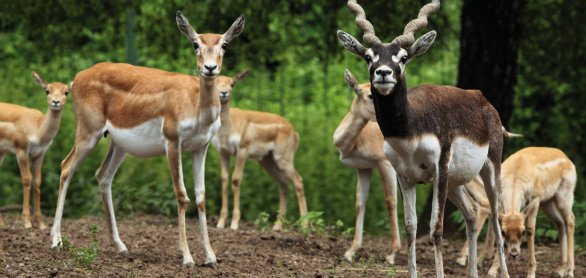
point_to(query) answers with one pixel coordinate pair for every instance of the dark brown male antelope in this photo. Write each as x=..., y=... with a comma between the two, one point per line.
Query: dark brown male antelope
x=432, y=133
x=150, y=112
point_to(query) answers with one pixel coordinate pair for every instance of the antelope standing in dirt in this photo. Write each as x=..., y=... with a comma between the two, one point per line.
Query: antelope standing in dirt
x=360, y=143
x=538, y=177
x=265, y=137
x=425, y=136
x=28, y=133
x=149, y=112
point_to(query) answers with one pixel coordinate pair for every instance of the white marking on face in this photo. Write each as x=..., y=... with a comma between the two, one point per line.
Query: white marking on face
x=397, y=58
x=373, y=57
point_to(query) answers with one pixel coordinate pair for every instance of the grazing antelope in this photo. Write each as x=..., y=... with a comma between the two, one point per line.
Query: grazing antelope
x=538, y=177
x=28, y=133
x=268, y=138
x=360, y=143
x=150, y=112
x=432, y=133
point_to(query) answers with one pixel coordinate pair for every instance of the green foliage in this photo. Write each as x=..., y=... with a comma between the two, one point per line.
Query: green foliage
x=83, y=257
x=262, y=221
x=315, y=223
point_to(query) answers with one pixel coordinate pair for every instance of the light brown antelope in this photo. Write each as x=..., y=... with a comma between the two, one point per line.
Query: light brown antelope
x=28, y=133
x=426, y=138
x=149, y=112
x=360, y=143
x=265, y=137
x=538, y=177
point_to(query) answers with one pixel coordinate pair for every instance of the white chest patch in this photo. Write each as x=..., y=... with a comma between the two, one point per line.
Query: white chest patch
x=144, y=140
x=414, y=159
x=193, y=134
x=35, y=149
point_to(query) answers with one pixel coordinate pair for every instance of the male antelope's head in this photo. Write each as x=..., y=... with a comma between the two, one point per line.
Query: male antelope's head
x=513, y=228
x=362, y=104
x=387, y=61
x=56, y=92
x=209, y=48
x=225, y=85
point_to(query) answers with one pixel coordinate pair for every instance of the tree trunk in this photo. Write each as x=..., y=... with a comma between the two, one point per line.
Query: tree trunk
x=489, y=41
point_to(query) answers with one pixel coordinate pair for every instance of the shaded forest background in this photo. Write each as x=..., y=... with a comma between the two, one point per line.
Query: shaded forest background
x=297, y=69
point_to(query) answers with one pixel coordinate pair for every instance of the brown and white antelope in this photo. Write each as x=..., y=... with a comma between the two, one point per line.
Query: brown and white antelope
x=265, y=137
x=28, y=133
x=149, y=112
x=432, y=133
x=538, y=177
x=360, y=143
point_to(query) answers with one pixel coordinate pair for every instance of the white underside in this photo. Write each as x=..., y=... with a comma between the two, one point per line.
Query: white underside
x=357, y=162
x=417, y=159
x=147, y=139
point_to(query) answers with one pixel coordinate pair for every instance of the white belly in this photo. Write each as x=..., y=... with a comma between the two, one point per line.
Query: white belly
x=144, y=140
x=417, y=159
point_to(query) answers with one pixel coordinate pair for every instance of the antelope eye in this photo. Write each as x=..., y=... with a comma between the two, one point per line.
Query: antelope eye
x=370, y=96
x=367, y=58
x=47, y=91
x=224, y=46
x=195, y=46
x=404, y=59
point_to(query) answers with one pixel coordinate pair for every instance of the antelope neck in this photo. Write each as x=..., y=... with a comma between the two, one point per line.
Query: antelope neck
x=392, y=111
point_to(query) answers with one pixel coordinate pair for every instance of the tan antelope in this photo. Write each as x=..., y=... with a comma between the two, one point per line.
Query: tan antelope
x=149, y=112
x=538, y=177
x=360, y=143
x=28, y=133
x=265, y=137
x=426, y=139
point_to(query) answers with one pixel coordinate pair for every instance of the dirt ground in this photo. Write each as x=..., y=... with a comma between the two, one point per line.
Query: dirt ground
x=152, y=242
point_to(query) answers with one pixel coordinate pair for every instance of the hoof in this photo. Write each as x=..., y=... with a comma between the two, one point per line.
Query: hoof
x=462, y=260
x=390, y=259
x=278, y=227
x=124, y=253
x=349, y=256
x=188, y=264
x=212, y=265
x=28, y=225
x=220, y=225
x=56, y=248
x=42, y=226
x=234, y=227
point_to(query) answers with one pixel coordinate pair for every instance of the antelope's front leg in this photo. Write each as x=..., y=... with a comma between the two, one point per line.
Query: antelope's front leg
x=241, y=157
x=26, y=177
x=225, y=177
x=36, y=165
x=389, y=177
x=362, y=188
x=175, y=168
x=409, y=202
x=198, y=162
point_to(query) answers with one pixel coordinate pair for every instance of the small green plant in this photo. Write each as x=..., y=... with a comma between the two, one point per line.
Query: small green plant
x=262, y=221
x=83, y=257
x=391, y=271
x=311, y=223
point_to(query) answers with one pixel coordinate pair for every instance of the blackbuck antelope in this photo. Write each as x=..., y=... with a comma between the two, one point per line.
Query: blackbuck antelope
x=28, y=133
x=360, y=143
x=432, y=133
x=149, y=112
x=265, y=137
x=538, y=177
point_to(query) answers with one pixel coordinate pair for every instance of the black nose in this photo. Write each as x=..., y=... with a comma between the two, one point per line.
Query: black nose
x=223, y=93
x=55, y=102
x=210, y=68
x=383, y=73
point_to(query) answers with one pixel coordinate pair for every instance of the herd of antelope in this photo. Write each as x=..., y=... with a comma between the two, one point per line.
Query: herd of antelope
x=411, y=136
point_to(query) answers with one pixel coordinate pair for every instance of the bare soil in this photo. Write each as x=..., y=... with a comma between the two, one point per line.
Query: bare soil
x=248, y=252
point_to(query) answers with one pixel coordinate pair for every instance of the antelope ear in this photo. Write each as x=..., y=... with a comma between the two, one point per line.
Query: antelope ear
x=351, y=43
x=352, y=82
x=240, y=76
x=422, y=44
x=185, y=27
x=235, y=29
x=40, y=80
x=69, y=88
x=532, y=208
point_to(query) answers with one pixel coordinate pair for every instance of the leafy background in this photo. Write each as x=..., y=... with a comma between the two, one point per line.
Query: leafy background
x=296, y=71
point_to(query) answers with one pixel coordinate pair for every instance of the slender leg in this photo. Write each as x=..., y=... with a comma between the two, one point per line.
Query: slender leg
x=489, y=238
x=530, y=230
x=362, y=188
x=456, y=195
x=1, y=160
x=564, y=203
x=299, y=193
x=199, y=157
x=225, y=176
x=83, y=146
x=269, y=164
x=175, y=168
x=241, y=157
x=554, y=214
x=440, y=194
x=36, y=165
x=26, y=176
x=389, y=177
x=492, y=185
x=105, y=175
x=409, y=198
x=481, y=215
